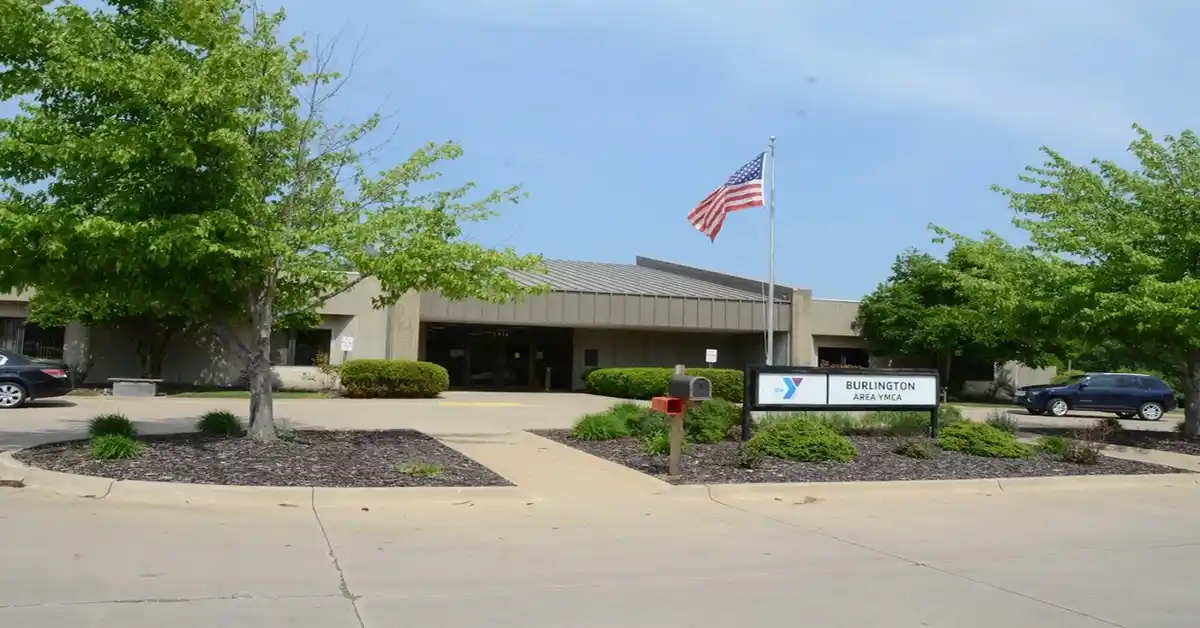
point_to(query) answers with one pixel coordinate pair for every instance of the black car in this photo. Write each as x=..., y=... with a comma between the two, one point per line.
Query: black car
x=23, y=378
x=1125, y=394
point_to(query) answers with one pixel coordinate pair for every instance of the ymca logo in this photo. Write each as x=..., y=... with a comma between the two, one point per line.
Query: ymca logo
x=791, y=384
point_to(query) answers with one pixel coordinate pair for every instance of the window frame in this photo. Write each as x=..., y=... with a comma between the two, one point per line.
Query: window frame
x=291, y=337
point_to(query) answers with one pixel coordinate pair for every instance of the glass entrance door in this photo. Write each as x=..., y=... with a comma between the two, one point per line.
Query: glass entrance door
x=483, y=356
x=516, y=363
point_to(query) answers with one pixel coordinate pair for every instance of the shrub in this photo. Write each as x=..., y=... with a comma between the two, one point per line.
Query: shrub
x=710, y=421
x=419, y=469
x=115, y=447
x=898, y=422
x=397, y=379
x=915, y=448
x=949, y=415
x=981, y=439
x=801, y=440
x=111, y=425
x=1003, y=421
x=647, y=382
x=659, y=444
x=629, y=413
x=840, y=422
x=1111, y=424
x=1053, y=445
x=1082, y=453
x=220, y=424
x=600, y=426
x=649, y=422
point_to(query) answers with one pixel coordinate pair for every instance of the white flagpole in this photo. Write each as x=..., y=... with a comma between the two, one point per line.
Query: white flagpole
x=771, y=263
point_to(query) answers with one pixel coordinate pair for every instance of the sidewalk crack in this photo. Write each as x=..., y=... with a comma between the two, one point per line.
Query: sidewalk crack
x=343, y=587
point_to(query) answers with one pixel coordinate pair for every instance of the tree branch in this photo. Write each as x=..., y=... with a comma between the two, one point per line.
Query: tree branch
x=225, y=333
x=317, y=302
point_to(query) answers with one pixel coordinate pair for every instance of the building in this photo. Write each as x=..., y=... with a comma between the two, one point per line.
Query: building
x=650, y=313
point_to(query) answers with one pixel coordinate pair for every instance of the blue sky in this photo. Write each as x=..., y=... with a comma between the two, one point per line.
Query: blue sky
x=618, y=116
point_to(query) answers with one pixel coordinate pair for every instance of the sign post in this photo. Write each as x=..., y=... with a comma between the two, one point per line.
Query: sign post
x=710, y=356
x=817, y=389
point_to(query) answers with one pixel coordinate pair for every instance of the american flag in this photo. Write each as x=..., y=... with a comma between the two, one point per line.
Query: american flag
x=742, y=191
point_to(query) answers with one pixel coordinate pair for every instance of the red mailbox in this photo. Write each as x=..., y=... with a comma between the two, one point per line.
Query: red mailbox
x=667, y=405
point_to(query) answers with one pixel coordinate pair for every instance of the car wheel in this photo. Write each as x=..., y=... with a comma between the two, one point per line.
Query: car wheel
x=1124, y=415
x=12, y=395
x=1057, y=407
x=1036, y=412
x=1151, y=411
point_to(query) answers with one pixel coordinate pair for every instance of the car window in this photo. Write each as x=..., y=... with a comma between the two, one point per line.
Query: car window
x=1153, y=383
x=12, y=357
x=1104, y=381
x=1129, y=381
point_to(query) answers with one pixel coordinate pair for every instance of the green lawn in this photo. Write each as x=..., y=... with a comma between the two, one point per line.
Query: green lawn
x=245, y=394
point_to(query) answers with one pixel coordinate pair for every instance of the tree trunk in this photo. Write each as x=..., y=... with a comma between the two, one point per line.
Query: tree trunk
x=152, y=345
x=1191, y=397
x=262, y=405
x=946, y=362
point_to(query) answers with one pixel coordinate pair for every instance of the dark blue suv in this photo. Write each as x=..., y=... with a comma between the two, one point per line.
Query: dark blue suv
x=1125, y=394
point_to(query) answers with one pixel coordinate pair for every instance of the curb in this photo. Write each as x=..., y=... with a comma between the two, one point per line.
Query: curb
x=801, y=491
x=181, y=494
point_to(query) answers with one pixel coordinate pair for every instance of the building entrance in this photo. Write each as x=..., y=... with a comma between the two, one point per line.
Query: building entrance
x=480, y=357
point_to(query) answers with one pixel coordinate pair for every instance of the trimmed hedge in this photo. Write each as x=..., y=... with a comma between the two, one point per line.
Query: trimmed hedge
x=394, y=379
x=647, y=382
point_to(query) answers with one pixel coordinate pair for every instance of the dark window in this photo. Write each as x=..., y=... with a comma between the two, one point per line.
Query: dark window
x=591, y=357
x=33, y=340
x=44, y=342
x=310, y=342
x=299, y=347
x=973, y=370
x=1129, y=381
x=1105, y=381
x=1153, y=383
x=13, y=358
x=843, y=356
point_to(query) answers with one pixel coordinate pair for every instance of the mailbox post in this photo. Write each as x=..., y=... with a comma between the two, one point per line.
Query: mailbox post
x=681, y=390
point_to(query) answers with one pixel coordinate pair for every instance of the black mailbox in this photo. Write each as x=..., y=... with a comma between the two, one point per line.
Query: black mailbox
x=690, y=388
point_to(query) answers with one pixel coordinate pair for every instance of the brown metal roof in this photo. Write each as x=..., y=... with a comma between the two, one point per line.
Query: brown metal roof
x=608, y=278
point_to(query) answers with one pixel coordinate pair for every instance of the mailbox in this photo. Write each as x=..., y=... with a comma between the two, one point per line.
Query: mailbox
x=690, y=388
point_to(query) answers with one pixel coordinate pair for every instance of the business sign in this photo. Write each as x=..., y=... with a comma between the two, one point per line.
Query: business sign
x=791, y=390
x=823, y=389
x=882, y=390
x=347, y=343
x=844, y=388
x=710, y=356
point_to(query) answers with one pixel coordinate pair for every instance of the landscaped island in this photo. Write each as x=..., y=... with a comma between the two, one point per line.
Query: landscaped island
x=220, y=453
x=834, y=447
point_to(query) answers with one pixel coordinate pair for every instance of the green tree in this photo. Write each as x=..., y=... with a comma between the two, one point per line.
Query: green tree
x=928, y=310
x=1124, y=246
x=214, y=161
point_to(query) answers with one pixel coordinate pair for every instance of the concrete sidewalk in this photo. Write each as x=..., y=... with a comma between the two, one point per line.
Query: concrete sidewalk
x=1064, y=559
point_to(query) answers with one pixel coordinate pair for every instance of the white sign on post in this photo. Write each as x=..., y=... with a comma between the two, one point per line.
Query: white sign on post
x=347, y=343
x=883, y=390
x=710, y=356
x=847, y=390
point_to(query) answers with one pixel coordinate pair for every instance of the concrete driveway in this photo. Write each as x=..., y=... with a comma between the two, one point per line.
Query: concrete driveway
x=455, y=412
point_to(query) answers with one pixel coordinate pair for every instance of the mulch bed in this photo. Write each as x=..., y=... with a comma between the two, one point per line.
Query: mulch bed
x=1161, y=441
x=717, y=464
x=314, y=458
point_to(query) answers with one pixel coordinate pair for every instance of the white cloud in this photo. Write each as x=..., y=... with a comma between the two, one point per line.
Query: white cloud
x=1079, y=70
